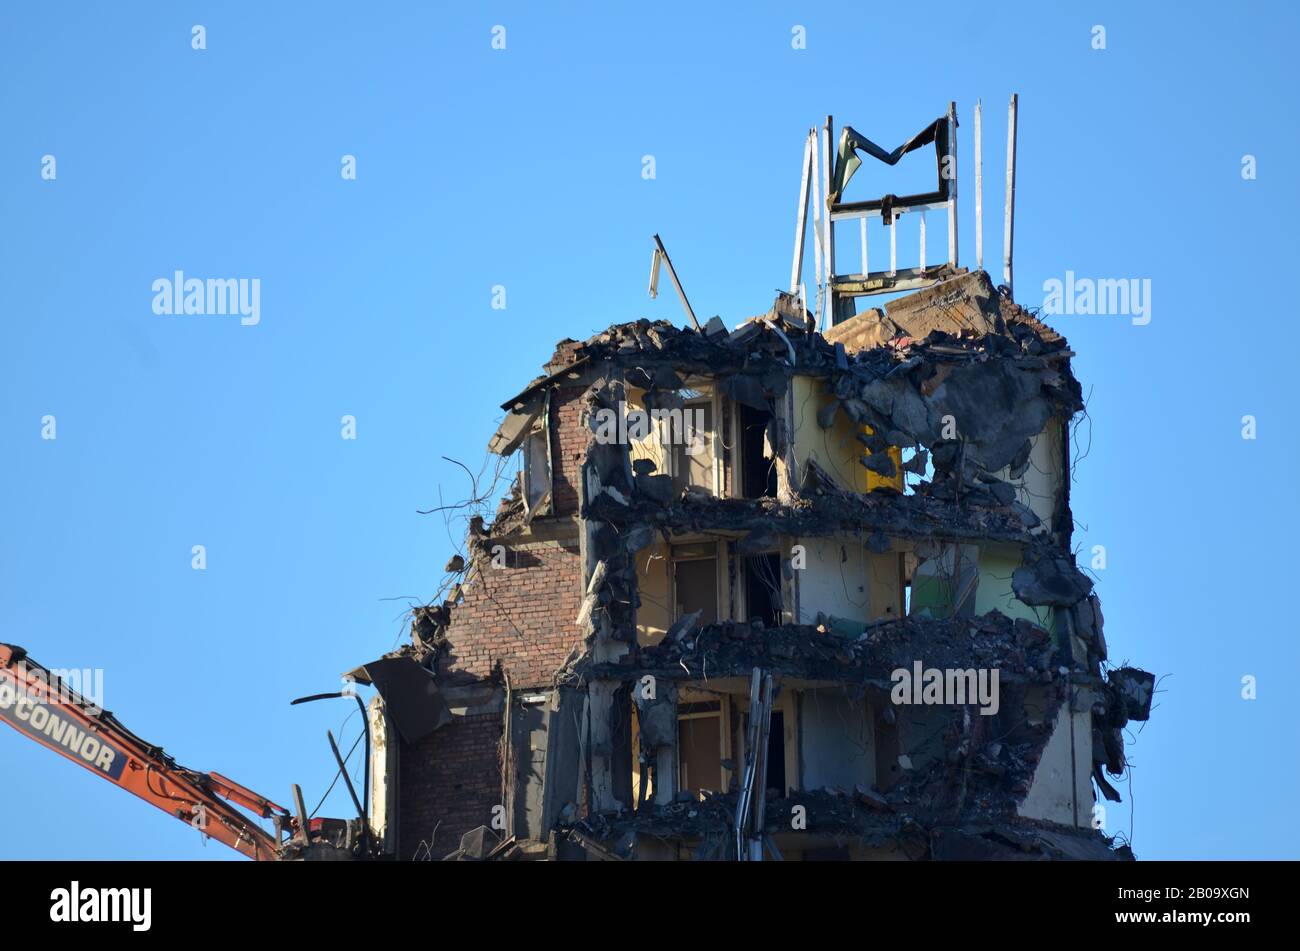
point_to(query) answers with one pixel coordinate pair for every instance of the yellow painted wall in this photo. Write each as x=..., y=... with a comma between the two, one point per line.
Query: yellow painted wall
x=838, y=449
x=654, y=616
x=885, y=585
x=648, y=448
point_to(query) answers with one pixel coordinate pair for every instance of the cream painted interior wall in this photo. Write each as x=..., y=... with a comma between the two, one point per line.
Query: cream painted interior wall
x=843, y=578
x=1062, y=787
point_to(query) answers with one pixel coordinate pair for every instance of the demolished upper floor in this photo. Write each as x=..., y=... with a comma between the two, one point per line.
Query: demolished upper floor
x=944, y=413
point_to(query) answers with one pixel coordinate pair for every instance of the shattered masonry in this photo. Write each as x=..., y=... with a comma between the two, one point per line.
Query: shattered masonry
x=893, y=492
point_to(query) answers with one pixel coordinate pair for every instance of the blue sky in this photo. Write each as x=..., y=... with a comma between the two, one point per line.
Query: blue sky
x=523, y=168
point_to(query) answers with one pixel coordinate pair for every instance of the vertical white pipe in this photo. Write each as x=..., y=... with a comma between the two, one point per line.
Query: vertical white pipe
x=979, y=185
x=1009, y=225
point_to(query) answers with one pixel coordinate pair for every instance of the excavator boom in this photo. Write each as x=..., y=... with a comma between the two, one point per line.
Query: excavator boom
x=39, y=705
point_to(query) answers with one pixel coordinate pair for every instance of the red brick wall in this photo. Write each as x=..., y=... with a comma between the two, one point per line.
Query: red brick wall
x=522, y=616
x=566, y=352
x=450, y=780
x=568, y=447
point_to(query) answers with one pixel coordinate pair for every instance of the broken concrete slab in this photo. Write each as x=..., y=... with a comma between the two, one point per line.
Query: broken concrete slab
x=1050, y=578
x=411, y=694
x=1137, y=687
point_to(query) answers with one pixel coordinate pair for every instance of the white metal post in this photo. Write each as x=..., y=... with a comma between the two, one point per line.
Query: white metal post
x=1009, y=225
x=801, y=219
x=979, y=185
x=893, y=244
x=819, y=204
x=829, y=167
x=952, y=184
x=866, y=268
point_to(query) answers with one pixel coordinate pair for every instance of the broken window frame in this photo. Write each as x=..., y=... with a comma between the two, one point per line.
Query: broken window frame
x=951, y=575
x=719, y=559
x=663, y=432
x=541, y=430
x=645, y=565
x=516, y=785
x=739, y=467
x=785, y=593
x=722, y=713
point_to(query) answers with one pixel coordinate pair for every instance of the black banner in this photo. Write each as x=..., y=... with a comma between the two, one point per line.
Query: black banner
x=369, y=901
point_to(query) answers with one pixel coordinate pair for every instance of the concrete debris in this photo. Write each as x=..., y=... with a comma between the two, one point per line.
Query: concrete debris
x=824, y=510
x=1017, y=648
x=682, y=627
x=881, y=463
x=1029, y=844
x=1136, y=688
x=658, y=722
x=482, y=845
x=872, y=799
x=476, y=844
x=1050, y=578
x=864, y=818
x=517, y=425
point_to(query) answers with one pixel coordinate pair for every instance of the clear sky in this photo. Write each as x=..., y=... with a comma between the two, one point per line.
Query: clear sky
x=523, y=168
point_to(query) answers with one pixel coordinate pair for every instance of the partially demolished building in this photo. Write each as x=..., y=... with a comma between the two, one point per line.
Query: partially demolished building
x=771, y=592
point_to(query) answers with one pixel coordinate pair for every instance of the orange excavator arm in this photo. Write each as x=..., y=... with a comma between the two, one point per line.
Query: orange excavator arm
x=37, y=704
